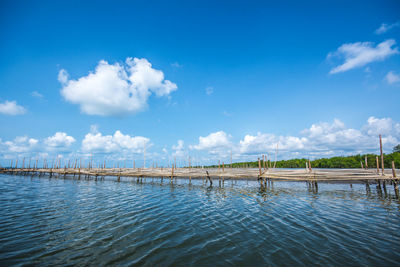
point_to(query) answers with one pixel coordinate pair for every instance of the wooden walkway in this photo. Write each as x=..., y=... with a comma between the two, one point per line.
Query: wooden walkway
x=333, y=175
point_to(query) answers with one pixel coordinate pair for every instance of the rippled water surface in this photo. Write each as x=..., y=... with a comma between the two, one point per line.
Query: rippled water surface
x=60, y=222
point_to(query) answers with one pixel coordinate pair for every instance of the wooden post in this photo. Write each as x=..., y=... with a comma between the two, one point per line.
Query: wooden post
x=259, y=166
x=265, y=162
x=366, y=162
x=377, y=165
x=309, y=165
x=209, y=178
x=223, y=167
x=144, y=156
x=382, y=162
x=276, y=155
x=393, y=170
x=219, y=165
x=362, y=166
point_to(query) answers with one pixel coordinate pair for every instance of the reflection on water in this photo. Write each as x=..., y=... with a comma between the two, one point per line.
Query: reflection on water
x=48, y=221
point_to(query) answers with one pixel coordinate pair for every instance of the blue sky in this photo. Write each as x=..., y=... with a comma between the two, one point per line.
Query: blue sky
x=319, y=78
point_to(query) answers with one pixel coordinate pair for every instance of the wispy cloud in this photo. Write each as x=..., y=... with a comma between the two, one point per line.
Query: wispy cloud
x=176, y=65
x=386, y=27
x=36, y=94
x=116, y=89
x=361, y=53
x=226, y=113
x=11, y=108
x=392, y=77
x=209, y=90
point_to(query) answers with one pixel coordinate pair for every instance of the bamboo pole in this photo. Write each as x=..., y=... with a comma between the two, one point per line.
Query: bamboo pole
x=382, y=162
x=263, y=162
x=144, y=156
x=276, y=154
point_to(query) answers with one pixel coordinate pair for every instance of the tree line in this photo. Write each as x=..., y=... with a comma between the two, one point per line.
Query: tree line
x=354, y=161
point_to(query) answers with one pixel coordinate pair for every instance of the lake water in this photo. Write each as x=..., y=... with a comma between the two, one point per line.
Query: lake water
x=79, y=222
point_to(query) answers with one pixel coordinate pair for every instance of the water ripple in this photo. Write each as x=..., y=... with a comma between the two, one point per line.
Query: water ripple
x=79, y=222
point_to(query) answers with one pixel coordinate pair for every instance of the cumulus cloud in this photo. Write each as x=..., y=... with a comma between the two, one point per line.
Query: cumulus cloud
x=361, y=53
x=178, y=149
x=214, y=142
x=59, y=140
x=117, y=143
x=384, y=126
x=320, y=139
x=386, y=27
x=21, y=144
x=11, y=108
x=262, y=143
x=116, y=89
x=392, y=77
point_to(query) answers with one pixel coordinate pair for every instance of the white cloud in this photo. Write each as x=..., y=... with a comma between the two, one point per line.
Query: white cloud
x=63, y=76
x=117, y=143
x=262, y=143
x=319, y=140
x=209, y=90
x=11, y=108
x=179, y=149
x=392, y=77
x=386, y=27
x=214, y=143
x=59, y=140
x=326, y=139
x=21, y=144
x=115, y=89
x=361, y=53
x=384, y=126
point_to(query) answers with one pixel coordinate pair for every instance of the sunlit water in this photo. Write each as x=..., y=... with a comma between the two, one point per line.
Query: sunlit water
x=78, y=222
